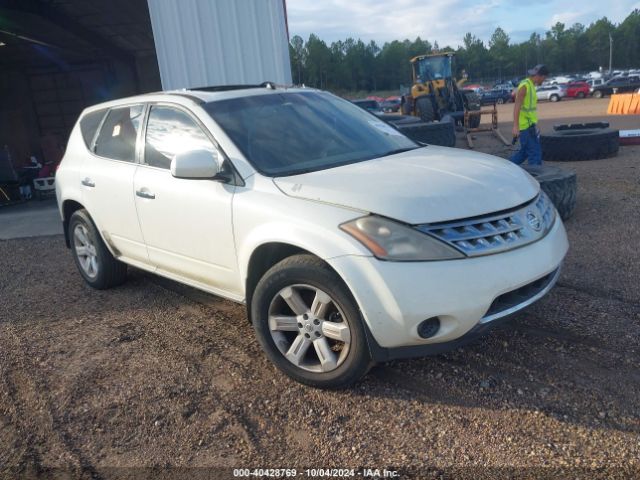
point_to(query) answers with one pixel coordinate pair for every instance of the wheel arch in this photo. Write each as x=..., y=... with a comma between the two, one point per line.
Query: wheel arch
x=68, y=209
x=263, y=258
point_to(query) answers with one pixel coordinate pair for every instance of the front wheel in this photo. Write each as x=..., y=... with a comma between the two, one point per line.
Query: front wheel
x=597, y=94
x=500, y=101
x=309, y=325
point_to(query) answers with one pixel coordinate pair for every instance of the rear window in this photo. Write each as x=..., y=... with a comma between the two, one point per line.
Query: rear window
x=89, y=124
x=117, y=138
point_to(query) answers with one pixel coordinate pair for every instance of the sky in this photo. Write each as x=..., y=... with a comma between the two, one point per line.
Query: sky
x=444, y=20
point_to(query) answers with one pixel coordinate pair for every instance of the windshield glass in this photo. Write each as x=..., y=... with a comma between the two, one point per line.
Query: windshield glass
x=295, y=132
x=433, y=68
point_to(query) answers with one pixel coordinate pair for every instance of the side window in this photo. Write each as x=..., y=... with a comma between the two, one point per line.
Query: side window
x=89, y=124
x=169, y=132
x=117, y=139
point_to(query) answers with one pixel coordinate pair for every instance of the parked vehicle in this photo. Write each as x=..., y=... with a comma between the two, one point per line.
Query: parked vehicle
x=503, y=86
x=578, y=89
x=560, y=79
x=596, y=82
x=372, y=106
x=617, y=85
x=391, y=106
x=489, y=97
x=553, y=93
x=348, y=242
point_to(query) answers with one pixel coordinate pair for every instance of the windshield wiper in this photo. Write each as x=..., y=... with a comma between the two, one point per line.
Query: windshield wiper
x=399, y=150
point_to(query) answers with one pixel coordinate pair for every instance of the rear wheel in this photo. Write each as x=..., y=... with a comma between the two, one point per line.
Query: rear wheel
x=554, y=98
x=580, y=94
x=309, y=325
x=92, y=257
x=597, y=94
x=500, y=101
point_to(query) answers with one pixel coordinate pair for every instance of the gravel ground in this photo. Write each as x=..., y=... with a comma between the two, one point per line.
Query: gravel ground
x=153, y=374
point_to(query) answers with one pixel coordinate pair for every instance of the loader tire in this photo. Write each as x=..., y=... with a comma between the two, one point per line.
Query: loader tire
x=577, y=144
x=424, y=109
x=559, y=184
x=436, y=133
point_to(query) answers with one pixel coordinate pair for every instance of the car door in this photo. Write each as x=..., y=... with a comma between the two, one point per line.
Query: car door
x=186, y=223
x=107, y=182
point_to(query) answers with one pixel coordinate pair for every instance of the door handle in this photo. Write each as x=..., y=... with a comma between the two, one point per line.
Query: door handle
x=145, y=194
x=88, y=183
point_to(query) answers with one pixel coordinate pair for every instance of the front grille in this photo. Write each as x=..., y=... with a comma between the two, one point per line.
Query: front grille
x=520, y=296
x=498, y=232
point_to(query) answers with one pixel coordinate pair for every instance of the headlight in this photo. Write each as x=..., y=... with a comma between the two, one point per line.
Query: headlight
x=547, y=210
x=389, y=240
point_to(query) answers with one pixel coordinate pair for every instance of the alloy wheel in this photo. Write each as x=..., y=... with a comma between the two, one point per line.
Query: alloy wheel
x=85, y=251
x=309, y=328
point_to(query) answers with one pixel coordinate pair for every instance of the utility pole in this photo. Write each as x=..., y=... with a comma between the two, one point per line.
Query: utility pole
x=610, y=53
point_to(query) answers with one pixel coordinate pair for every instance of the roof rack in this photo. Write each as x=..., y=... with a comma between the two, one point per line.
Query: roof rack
x=226, y=88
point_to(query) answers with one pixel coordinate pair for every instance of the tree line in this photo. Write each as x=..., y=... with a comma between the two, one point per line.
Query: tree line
x=353, y=65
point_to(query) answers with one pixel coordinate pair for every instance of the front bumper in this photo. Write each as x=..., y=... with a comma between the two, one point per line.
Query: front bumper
x=395, y=297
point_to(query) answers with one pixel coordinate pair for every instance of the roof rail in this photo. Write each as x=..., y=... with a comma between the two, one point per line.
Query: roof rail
x=225, y=88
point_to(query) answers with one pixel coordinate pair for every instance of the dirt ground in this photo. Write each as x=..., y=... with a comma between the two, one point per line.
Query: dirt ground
x=153, y=378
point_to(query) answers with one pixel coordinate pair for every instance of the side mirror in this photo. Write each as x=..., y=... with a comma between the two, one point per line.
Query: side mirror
x=196, y=164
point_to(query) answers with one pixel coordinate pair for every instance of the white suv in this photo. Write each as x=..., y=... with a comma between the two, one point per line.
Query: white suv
x=349, y=243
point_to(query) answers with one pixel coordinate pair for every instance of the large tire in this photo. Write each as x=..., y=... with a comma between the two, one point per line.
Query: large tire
x=473, y=104
x=92, y=257
x=436, y=133
x=559, y=184
x=577, y=144
x=424, y=109
x=325, y=348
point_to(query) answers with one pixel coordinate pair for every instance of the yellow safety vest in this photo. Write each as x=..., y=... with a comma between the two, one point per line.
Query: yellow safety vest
x=528, y=110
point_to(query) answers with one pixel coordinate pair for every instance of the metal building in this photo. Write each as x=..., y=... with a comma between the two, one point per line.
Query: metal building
x=204, y=42
x=59, y=56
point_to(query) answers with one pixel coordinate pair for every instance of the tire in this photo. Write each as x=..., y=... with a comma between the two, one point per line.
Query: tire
x=580, y=126
x=598, y=94
x=424, y=109
x=297, y=277
x=560, y=185
x=473, y=104
x=500, y=101
x=580, y=95
x=577, y=144
x=554, y=98
x=436, y=133
x=99, y=268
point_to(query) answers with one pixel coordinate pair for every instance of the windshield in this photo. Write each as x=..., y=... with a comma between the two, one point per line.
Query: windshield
x=433, y=68
x=295, y=132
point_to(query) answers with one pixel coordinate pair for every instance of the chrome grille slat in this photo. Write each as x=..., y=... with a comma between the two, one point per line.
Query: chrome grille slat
x=496, y=233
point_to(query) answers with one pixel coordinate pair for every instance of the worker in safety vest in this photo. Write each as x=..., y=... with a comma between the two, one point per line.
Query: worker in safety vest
x=525, y=118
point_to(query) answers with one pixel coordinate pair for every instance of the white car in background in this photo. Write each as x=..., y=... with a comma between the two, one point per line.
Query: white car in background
x=349, y=243
x=595, y=82
x=553, y=93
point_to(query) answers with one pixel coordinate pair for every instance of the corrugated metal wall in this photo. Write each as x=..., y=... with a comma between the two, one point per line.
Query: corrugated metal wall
x=216, y=42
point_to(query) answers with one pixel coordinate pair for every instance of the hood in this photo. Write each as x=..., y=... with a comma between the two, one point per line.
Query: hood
x=427, y=185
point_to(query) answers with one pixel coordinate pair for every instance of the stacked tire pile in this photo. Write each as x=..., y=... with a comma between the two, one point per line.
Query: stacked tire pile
x=434, y=133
